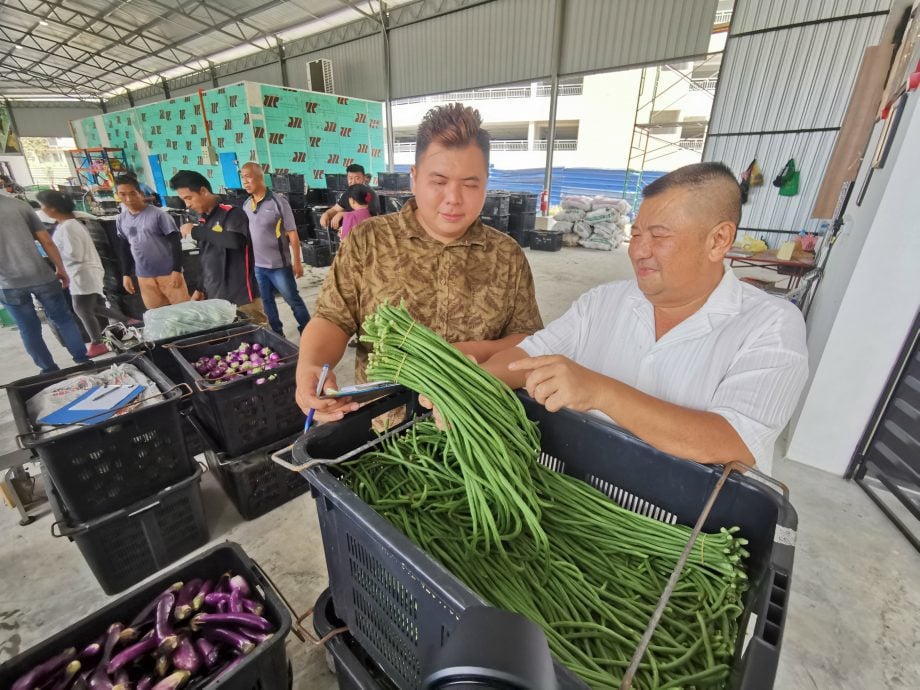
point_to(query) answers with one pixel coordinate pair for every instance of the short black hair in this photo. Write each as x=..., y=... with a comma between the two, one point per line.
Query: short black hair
x=128, y=180
x=55, y=200
x=699, y=175
x=355, y=167
x=360, y=193
x=189, y=179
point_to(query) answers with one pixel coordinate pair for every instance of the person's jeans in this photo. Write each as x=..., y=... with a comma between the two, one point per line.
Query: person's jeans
x=281, y=280
x=18, y=302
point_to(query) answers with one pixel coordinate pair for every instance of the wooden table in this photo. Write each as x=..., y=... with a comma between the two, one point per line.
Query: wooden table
x=796, y=267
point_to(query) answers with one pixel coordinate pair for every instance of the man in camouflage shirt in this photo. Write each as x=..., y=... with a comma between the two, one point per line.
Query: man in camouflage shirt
x=468, y=282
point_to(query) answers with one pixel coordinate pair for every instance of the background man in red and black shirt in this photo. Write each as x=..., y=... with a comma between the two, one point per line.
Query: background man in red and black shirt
x=225, y=247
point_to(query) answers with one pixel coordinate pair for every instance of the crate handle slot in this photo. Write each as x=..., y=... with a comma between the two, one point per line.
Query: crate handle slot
x=64, y=531
x=277, y=456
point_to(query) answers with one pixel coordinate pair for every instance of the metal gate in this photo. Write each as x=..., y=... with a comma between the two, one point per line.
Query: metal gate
x=887, y=461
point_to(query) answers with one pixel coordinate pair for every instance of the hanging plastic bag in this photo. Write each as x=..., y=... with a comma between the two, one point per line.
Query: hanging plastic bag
x=788, y=179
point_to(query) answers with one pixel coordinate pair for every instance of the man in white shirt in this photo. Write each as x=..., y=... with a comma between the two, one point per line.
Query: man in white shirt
x=686, y=356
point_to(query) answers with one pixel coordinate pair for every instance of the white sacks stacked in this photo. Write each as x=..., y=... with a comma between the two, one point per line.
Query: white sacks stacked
x=594, y=222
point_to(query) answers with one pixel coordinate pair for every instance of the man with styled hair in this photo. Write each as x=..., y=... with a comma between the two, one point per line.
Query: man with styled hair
x=469, y=283
x=334, y=215
x=685, y=356
x=225, y=248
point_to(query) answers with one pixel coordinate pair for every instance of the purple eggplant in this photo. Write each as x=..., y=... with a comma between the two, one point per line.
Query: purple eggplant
x=234, y=605
x=68, y=678
x=173, y=682
x=223, y=584
x=122, y=680
x=208, y=651
x=238, y=582
x=92, y=650
x=147, y=613
x=256, y=637
x=199, y=598
x=162, y=666
x=186, y=658
x=212, y=599
x=44, y=670
x=166, y=637
x=250, y=606
x=236, y=640
x=144, y=683
x=248, y=620
x=184, y=599
x=135, y=651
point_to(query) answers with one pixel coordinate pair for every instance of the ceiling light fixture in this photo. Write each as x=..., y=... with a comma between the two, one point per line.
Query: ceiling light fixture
x=18, y=47
x=43, y=22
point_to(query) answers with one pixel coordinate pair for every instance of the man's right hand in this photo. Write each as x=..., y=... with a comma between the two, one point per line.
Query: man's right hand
x=324, y=219
x=62, y=276
x=337, y=220
x=128, y=284
x=326, y=410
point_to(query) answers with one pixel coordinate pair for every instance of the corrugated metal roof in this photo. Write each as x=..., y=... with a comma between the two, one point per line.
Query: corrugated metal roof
x=491, y=43
x=754, y=16
x=599, y=34
x=357, y=68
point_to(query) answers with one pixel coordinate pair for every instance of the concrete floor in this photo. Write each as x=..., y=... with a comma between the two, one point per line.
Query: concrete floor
x=855, y=592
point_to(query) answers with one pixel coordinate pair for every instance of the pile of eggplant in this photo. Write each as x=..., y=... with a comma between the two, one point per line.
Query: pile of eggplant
x=187, y=637
x=249, y=359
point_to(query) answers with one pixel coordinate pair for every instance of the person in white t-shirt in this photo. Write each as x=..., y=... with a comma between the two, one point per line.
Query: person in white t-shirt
x=686, y=356
x=81, y=259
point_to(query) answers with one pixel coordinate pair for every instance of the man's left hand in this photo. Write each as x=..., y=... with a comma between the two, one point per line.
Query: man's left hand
x=297, y=266
x=556, y=382
x=176, y=279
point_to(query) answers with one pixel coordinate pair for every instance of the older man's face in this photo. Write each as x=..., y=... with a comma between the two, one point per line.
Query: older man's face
x=354, y=178
x=670, y=249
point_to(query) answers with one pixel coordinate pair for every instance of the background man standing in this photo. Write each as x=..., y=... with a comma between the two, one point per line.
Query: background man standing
x=152, y=249
x=276, y=247
x=24, y=274
x=332, y=217
x=222, y=234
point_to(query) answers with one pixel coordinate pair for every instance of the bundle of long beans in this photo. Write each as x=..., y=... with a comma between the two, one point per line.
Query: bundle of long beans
x=587, y=571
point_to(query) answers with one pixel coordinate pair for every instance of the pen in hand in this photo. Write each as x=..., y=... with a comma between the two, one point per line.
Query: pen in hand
x=319, y=391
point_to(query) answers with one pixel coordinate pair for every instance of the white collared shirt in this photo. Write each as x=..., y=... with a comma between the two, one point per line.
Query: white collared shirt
x=742, y=355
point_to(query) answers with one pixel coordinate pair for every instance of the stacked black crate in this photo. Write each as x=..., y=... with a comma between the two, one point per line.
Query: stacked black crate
x=523, y=216
x=495, y=212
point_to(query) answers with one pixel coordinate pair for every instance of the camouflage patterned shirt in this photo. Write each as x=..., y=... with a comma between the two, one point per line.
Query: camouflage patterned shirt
x=478, y=287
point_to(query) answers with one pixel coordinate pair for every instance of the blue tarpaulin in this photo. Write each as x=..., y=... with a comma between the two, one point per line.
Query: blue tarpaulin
x=588, y=181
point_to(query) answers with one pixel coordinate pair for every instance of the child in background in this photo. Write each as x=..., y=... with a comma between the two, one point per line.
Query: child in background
x=84, y=268
x=359, y=196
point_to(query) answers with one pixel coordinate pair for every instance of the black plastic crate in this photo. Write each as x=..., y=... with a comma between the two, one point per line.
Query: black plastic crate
x=254, y=483
x=242, y=415
x=297, y=200
x=497, y=222
x=296, y=183
x=522, y=237
x=418, y=604
x=265, y=668
x=497, y=204
x=394, y=182
x=546, y=241
x=316, y=253
x=337, y=181
x=302, y=216
x=525, y=202
x=316, y=196
x=354, y=669
x=98, y=468
x=125, y=546
x=281, y=182
x=522, y=221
